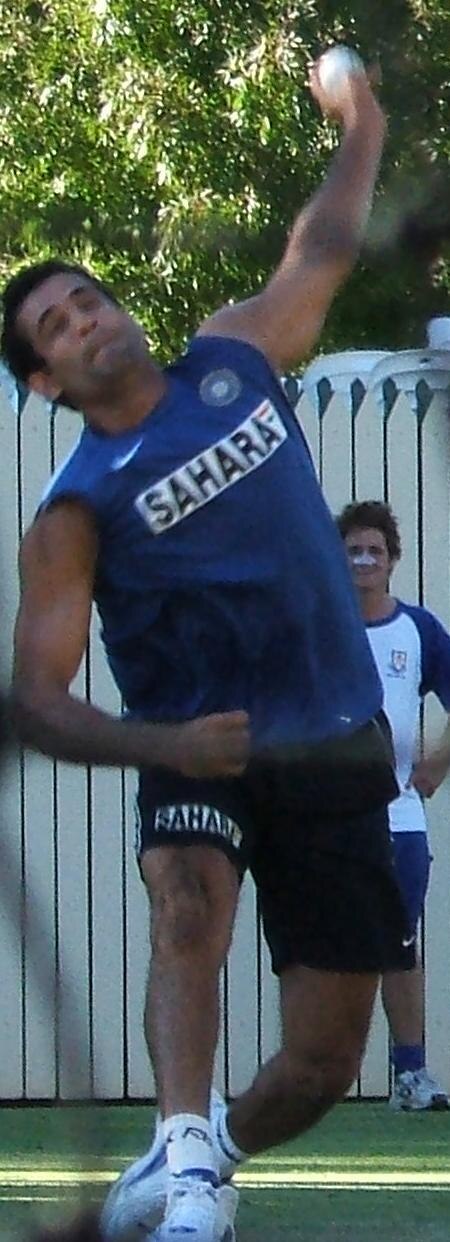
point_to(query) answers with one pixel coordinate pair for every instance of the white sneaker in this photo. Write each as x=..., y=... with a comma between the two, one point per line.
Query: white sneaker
x=226, y=1165
x=227, y=1206
x=415, y=1091
x=217, y=1103
x=138, y=1198
x=191, y=1210
x=226, y=1209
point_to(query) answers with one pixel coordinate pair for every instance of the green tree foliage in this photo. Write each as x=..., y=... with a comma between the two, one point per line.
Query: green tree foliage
x=169, y=143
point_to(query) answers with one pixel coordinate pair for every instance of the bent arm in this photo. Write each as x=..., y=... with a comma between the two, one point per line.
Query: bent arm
x=430, y=771
x=58, y=559
x=57, y=563
x=286, y=318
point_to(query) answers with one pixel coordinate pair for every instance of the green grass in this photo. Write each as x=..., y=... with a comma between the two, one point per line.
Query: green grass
x=363, y=1175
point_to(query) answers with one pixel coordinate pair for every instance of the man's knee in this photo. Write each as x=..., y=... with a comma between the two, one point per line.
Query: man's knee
x=182, y=921
x=321, y=1077
x=326, y=1019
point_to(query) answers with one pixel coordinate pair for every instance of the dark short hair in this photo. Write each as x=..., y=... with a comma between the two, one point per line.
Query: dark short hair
x=17, y=351
x=374, y=514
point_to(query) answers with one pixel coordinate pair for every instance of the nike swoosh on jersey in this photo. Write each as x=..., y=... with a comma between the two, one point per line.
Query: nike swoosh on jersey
x=124, y=458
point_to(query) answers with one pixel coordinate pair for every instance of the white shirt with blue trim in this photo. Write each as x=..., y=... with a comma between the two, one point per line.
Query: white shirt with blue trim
x=412, y=653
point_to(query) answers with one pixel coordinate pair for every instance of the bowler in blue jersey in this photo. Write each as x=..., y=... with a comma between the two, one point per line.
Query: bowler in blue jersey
x=190, y=514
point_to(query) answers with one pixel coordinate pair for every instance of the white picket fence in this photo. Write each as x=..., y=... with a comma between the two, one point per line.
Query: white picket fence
x=73, y=915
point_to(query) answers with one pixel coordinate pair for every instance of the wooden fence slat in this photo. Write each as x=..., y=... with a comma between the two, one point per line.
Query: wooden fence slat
x=38, y=827
x=243, y=993
x=12, y=963
x=403, y=494
x=108, y=914
x=308, y=418
x=436, y=562
x=337, y=454
x=369, y=473
x=140, y=1080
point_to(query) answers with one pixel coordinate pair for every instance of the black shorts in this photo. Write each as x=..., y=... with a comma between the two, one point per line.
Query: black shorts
x=313, y=830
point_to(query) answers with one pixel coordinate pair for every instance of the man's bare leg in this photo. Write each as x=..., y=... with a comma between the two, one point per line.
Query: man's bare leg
x=325, y=1022
x=193, y=892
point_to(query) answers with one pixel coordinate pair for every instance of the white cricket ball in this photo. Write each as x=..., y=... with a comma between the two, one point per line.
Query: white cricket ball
x=334, y=67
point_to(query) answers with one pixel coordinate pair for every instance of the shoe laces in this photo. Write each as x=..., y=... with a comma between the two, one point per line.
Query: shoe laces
x=423, y=1076
x=192, y=1187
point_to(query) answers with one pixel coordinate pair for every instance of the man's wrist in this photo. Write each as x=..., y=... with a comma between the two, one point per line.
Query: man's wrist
x=158, y=744
x=366, y=114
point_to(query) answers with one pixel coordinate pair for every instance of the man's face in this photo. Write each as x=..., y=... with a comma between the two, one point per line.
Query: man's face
x=86, y=341
x=369, y=559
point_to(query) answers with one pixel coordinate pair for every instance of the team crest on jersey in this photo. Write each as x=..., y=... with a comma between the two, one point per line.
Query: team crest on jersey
x=220, y=387
x=398, y=662
x=220, y=466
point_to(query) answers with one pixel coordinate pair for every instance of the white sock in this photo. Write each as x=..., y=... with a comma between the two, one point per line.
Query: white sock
x=189, y=1146
x=228, y=1153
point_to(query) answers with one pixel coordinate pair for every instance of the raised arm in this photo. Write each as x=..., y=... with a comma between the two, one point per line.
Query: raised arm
x=286, y=318
x=58, y=559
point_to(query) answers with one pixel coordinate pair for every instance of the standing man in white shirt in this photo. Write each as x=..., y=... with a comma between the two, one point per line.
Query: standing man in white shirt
x=412, y=652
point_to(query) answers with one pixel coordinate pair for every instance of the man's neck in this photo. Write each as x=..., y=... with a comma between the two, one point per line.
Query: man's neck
x=376, y=607
x=130, y=400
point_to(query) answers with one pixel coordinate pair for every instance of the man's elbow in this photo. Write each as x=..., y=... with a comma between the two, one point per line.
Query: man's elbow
x=30, y=710
x=333, y=244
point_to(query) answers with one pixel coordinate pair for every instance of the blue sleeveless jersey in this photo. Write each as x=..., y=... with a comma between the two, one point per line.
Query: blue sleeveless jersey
x=222, y=582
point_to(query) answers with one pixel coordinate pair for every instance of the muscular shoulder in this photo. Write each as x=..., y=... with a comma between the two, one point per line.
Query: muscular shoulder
x=214, y=356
